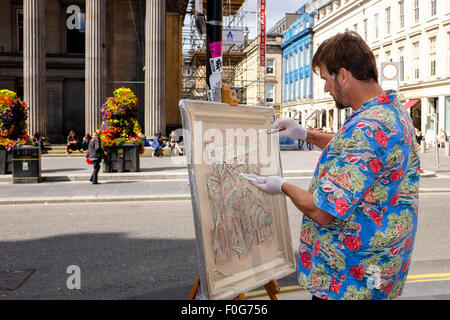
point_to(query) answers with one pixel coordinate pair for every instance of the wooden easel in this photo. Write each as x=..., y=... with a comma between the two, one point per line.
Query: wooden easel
x=272, y=289
x=229, y=96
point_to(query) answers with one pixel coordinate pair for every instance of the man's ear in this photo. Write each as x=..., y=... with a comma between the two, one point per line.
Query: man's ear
x=344, y=75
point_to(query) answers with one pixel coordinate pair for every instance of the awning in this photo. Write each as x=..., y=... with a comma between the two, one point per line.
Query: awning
x=410, y=103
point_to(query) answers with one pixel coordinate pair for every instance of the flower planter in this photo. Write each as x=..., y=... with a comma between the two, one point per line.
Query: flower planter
x=5, y=162
x=124, y=158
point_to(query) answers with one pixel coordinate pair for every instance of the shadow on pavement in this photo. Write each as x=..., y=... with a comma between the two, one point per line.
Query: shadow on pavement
x=112, y=266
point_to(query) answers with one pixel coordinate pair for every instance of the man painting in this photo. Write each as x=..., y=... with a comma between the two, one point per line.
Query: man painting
x=360, y=212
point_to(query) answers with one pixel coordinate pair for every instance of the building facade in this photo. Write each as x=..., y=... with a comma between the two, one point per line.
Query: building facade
x=414, y=33
x=64, y=58
x=297, y=76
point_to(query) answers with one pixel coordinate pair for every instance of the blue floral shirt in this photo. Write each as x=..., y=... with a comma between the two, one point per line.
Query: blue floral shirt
x=367, y=178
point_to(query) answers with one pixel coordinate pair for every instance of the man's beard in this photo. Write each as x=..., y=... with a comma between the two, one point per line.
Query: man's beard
x=338, y=94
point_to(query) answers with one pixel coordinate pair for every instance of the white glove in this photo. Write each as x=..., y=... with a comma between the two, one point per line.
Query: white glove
x=290, y=128
x=270, y=185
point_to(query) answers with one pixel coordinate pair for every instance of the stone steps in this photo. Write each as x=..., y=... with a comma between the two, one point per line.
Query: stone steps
x=60, y=150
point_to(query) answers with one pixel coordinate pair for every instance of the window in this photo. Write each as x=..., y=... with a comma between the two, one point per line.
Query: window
x=307, y=56
x=301, y=58
x=416, y=10
x=269, y=93
x=401, y=10
x=448, y=51
x=387, y=55
x=19, y=30
x=433, y=7
x=433, y=56
x=292, y=91
x=269, y=66
x=388, y=19
x=376, y=25
x=307, y=87
x=401, y=58
x=300, y=91
x=291, y=65
x=416, y=58
x=355, y=27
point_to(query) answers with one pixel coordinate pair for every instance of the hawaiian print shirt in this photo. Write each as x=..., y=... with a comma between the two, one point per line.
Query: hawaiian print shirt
x=368, y=178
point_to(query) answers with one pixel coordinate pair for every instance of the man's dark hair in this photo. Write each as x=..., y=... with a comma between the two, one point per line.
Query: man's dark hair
x=346, y=50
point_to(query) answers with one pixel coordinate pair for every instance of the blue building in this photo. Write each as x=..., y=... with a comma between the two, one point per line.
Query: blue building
x=297, y=55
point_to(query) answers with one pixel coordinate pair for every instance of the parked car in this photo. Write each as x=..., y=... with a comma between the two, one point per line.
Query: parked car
x=287, y=143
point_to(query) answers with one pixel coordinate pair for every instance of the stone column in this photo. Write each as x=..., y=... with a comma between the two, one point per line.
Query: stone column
x=34, y=65
x=155, y=56
x=95, y=57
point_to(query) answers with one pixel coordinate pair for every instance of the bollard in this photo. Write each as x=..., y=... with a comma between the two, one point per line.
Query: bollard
x=447, y=149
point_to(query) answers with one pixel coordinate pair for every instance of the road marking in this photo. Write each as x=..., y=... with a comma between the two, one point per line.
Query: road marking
x=427, y=280
x=296, y=289
x=431, y=275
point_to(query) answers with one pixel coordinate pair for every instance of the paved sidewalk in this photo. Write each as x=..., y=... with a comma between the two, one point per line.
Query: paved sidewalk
x=66, y=179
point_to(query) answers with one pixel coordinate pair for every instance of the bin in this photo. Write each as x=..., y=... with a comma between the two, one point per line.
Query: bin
x=27, y=164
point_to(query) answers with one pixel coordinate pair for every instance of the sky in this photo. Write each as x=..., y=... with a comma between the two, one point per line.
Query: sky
x=275, y=10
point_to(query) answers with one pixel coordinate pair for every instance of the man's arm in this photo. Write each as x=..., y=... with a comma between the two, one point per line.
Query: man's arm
x=319, y=139
x=303, y=200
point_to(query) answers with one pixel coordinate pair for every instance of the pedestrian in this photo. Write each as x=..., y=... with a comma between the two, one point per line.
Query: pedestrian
x=360, y=212
x=85, y=142
x=95, y=155
x=175, y=143
x=157, y=144
x=442, y=138
x=72, y=143
x=37, y=140
x=419, y=136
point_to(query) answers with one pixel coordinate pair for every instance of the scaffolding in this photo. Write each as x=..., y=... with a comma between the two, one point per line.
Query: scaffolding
x=194, y=51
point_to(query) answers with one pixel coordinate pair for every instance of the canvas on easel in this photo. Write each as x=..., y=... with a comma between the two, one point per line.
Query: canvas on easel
x=243, y=235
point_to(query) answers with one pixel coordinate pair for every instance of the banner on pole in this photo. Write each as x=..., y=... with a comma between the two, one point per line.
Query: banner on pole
x=262, y=34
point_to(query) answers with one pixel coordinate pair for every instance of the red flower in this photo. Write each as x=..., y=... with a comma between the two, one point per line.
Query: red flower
x=341, y=206
x=388, y=288
x=394, y=199
x=306, y=259
x=396, y=175
x=351, y=158
x=381, y=138
x=375, y=165
x=335, y=286
x=305, y=236
x=382, y=99
x=394, y=251
x=357, y=272
x=405, y=266
x=377, y=218
x=316, y=248
x=408, y=243
x=353, y=243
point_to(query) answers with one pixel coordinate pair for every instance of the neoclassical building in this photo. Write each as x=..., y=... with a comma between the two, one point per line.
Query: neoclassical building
x=65, y=57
